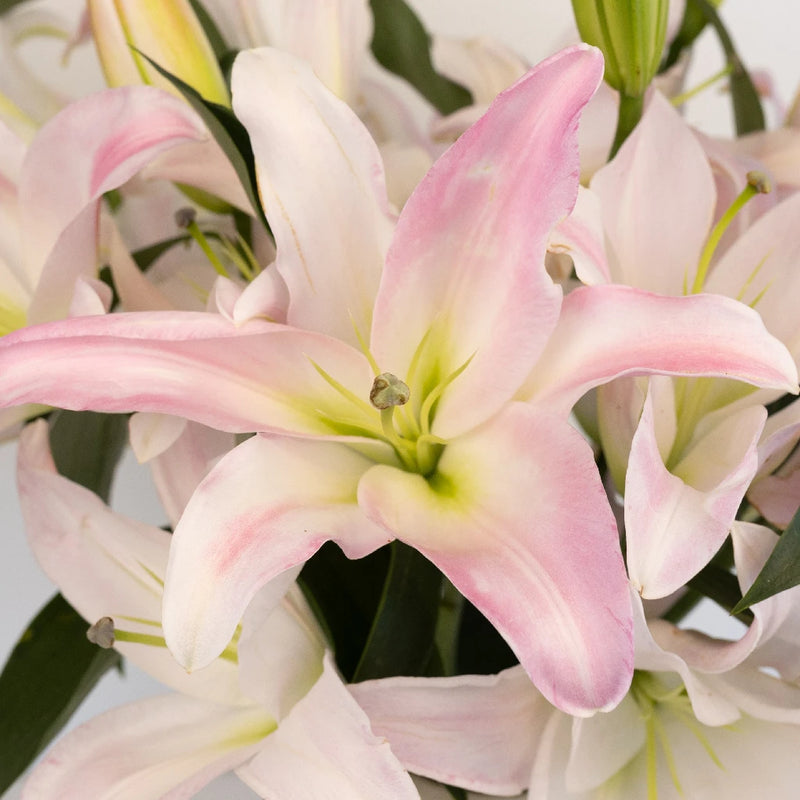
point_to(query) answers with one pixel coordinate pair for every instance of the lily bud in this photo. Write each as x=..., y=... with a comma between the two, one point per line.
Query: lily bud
x=168, y=32
x=631, y=34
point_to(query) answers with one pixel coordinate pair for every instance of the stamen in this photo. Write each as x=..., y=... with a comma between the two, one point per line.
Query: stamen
x=680, y=99
x=757, y=183
x=102, y=633
x=186, y=218
x=388, y=391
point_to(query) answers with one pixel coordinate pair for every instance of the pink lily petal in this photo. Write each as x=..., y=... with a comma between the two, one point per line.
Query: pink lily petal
x=581, y=237
x=267, y=506
x=321, y=182
x=466, y=265
x=475, y=731
x=106, y=565
x=661, y=179
x=281, y=648
x=608, y=331
x=760, y=269
x=120, y=130
x=517, y=518
x=325, y=748
x=185, y=364
x=162, y=748
x=333, y=37
x=676, y=520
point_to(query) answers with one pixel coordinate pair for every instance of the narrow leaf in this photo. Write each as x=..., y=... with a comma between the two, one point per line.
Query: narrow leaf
x=401, y=641
x=230, y=134
x=402, y=45
x=212, y=32
x=49, y=673
x=7, y=5
x=782, y=570
x=747, y=112
x=87, y=445
x=345, y=595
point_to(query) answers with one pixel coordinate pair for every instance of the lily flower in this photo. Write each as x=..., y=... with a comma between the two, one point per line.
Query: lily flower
x=272, y=706
x=425, y=398
x=698, y=711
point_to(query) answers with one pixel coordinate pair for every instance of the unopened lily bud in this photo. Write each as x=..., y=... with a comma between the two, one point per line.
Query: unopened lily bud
x=631, y=34
x=166, y=31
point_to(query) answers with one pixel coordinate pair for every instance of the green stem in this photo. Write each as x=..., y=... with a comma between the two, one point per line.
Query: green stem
x=630, y=112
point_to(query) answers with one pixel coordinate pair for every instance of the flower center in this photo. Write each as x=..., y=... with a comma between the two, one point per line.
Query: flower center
x=660, y=702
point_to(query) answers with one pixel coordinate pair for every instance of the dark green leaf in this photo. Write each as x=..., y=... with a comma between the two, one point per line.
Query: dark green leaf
x=721, y=586
x=87, y=446
x=692, y=25
x=7, y=5
x=230, y=134
x=401, y=641
x=210, y=29
x=782, y=570
x=402, y=45
x=345, y=596
x=49, y=673
x=481, y=649
x=747, y=112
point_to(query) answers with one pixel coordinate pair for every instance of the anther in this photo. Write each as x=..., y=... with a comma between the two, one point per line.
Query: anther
x=388, y=390
x=102, y=633
x=759, y=181
x=184, y=217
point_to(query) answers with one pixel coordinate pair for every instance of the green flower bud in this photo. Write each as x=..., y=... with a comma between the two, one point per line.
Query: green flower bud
x=631, y=34
x=168, y=32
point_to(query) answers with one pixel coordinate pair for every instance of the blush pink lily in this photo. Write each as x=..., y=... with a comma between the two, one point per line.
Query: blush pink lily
x=453, y=312
x=251, y=710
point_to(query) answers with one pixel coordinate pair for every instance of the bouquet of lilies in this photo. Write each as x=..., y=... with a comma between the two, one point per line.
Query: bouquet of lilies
x=461, y=382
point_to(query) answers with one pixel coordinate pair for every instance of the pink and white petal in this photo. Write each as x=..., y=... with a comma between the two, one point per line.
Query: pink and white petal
x=657, y=200
x=321, y=182
x=325, y=748
x=161, y=748
x=180, y=468
x=661, y=647
x=106, y=565
x=603, y=744
x=466, y=265
x=281, y=647
x=517, y=518
x=777, y=497
x=119, y=130
x=267, y=506
x=202, y=165
x=151, y=434
x=476, y=731
x=186, y=364
x=676, y=520
x=760, y=269
x=605, y=332
x=267, y=297
x=90, y=296
x=333, y=36
x=581, y=237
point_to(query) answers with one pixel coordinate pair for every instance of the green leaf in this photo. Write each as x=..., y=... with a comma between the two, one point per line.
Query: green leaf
x=402, y=45
x=49, y=673
x=692, y=25
x=747, y=112
x=481, y=649
x=212, y=32
x=345, y=596
x=230, y=134
x=782, y=570
x=87, y=445
x=7, y=5
x=401, y=641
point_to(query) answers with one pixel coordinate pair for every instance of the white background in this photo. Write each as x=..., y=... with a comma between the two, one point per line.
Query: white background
x=766, y=34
